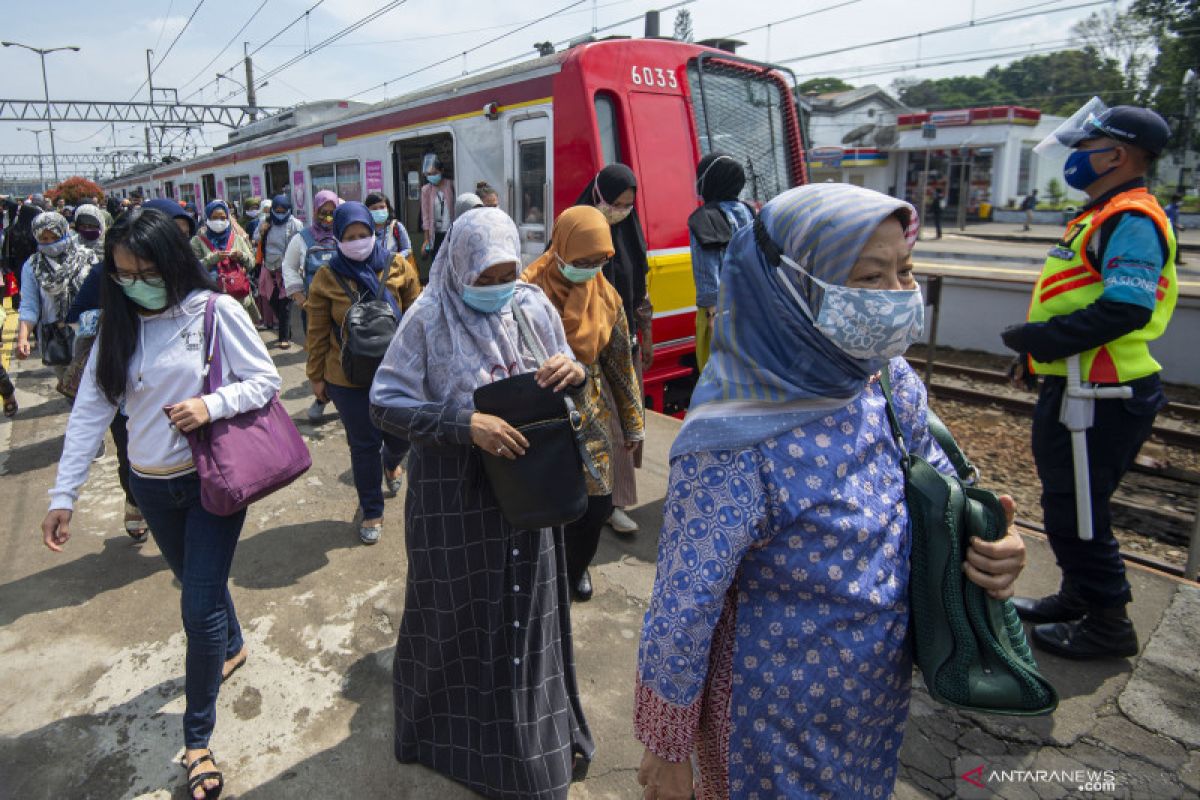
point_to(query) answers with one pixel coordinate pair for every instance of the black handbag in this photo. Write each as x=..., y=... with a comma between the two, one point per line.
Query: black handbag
x=970, y=647
x=58, y=344
x=545, y=487
x=366, y=332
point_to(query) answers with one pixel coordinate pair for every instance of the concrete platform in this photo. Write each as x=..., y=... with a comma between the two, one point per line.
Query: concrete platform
x=91, y=651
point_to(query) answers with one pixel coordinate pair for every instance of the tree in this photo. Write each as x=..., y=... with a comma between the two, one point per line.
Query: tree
x=683, y=25
x=75, y=191
x=823, y=86
x=1058, y=83
x=1174, y=23
x=1127, y=39
x=958, y=92
x=1056, y=192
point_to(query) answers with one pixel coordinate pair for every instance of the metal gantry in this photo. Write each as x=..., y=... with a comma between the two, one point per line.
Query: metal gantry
x=175, y=114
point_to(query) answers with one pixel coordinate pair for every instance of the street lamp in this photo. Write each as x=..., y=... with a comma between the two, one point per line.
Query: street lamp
x=38, y=137
x=42, y=52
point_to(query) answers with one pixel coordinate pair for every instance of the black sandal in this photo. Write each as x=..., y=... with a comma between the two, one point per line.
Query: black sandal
x=197, y=782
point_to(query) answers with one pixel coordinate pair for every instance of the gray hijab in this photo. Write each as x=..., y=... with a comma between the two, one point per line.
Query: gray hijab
x=444, y=349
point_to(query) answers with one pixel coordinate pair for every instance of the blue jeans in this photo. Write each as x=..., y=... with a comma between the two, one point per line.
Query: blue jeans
x=367, y=445
x=198, y=546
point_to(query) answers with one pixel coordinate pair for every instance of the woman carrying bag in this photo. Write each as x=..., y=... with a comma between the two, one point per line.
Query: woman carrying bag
x=569, y=272
x=484, y=673
x=361, y=270
x=151, y=356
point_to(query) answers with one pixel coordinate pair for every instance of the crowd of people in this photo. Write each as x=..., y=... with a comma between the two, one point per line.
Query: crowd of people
x=775, y=652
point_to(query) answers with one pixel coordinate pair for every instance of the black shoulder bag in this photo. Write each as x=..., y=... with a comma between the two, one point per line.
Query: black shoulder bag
x=366, y=332
x=970, y=647
x=545, y=487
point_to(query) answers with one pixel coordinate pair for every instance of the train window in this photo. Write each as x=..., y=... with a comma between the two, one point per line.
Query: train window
x=606, y=122
x=342, y=178
x=187, y=193
x=238, y=190
x=276, y=173
x=531, y=176
x=742, y=113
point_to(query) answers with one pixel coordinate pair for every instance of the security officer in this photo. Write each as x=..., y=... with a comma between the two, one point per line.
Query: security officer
x=1107, y=290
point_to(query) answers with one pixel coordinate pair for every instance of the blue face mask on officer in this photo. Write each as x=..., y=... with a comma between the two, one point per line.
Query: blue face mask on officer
x=1079, y=173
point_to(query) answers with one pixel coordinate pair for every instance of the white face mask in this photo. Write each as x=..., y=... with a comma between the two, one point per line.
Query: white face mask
x=218, y=225
x=863, y=323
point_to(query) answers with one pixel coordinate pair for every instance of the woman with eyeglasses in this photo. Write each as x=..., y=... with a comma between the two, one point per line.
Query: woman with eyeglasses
x=569, y=272
x=150, y=358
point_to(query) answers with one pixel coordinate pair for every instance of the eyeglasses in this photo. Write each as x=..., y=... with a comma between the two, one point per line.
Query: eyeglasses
x=124, y=279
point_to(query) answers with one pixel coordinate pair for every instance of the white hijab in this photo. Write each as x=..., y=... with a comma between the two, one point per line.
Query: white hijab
x=444, y=349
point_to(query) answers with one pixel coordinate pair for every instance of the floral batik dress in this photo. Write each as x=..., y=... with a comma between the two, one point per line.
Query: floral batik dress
x=774, y=647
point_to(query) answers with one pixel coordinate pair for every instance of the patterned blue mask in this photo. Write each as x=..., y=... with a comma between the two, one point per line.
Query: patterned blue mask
x=864, y=323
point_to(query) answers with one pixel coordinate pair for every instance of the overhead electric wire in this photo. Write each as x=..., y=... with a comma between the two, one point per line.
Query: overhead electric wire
x=1010, y=16
x=477, y=47
x=814, y=12
x=273, y=37
x=228, y=44
x=170, y=47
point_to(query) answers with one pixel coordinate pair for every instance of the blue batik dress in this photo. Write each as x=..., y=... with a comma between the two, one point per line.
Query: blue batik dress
x=774, y=647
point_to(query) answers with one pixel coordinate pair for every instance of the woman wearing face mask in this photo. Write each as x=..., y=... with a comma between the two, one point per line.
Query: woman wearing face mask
x=272, y=240
x=51, y=279
x=150, y=357
x=719, y=181
x=306, y=254
x=569, y=274
x=89, y=227
x=437, y=206
x=226, y=254
x=388, y=229
x=484, y=674
x=369, y=272
x=802, y=569
x=613, y=192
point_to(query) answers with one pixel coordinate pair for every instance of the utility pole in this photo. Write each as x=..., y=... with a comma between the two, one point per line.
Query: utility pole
x=42, y=53
x=251, y=100
x=150, y=85
x=1189, y=88
x=37, y=135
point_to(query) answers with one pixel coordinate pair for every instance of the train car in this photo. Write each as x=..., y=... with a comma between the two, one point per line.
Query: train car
x=537, y=132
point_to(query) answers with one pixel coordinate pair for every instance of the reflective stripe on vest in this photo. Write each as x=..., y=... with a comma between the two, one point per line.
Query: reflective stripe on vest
x=1070, y=282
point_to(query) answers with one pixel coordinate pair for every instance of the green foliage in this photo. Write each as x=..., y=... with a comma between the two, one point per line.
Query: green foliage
x=683, y=25
x=75, y=191
x=1055, y=83
x=1056, y=192
x=823, y=86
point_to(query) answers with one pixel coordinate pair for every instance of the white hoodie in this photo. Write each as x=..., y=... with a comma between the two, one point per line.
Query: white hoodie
x=166, y=368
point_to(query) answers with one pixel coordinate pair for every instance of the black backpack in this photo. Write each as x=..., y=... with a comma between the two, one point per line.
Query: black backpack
x=366, y=331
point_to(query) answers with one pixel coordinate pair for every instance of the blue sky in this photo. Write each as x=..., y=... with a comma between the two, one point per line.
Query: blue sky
x=115, y=35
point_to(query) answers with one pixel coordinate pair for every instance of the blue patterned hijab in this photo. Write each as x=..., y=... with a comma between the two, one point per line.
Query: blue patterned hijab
x=771, y=370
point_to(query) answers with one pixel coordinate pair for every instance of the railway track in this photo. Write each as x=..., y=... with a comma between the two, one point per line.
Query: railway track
x=1176, y=424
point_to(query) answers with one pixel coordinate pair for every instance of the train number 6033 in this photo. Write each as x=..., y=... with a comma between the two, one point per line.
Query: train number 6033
x=653, y=76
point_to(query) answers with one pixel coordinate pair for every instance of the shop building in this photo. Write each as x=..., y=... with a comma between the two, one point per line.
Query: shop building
x=849, y=134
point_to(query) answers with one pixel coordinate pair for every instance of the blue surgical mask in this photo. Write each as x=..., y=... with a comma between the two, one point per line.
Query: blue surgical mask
x=579, y=274
x=151, y=296
x=55, y=249
x=863, y=323
x=1079, y=173
x=380, y=215
x=280, y=217
x=434, y=179
x=489, y=299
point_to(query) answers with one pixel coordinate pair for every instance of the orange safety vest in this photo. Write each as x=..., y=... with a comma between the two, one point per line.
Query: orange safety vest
x=1070, y=282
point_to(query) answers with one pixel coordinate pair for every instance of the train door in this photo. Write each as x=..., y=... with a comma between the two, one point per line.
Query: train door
x=275, y=174
x=408, y=156
x=208, y=189
x=530, y=187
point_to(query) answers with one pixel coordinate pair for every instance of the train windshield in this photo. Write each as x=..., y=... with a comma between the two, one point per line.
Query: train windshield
x=741, y=110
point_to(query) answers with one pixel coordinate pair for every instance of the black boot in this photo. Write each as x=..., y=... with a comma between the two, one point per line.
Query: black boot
x=1101, y=633
x=1062, y=606
x=582, y=590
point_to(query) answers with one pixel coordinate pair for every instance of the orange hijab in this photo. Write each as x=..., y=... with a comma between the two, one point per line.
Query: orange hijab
x=589, y=310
